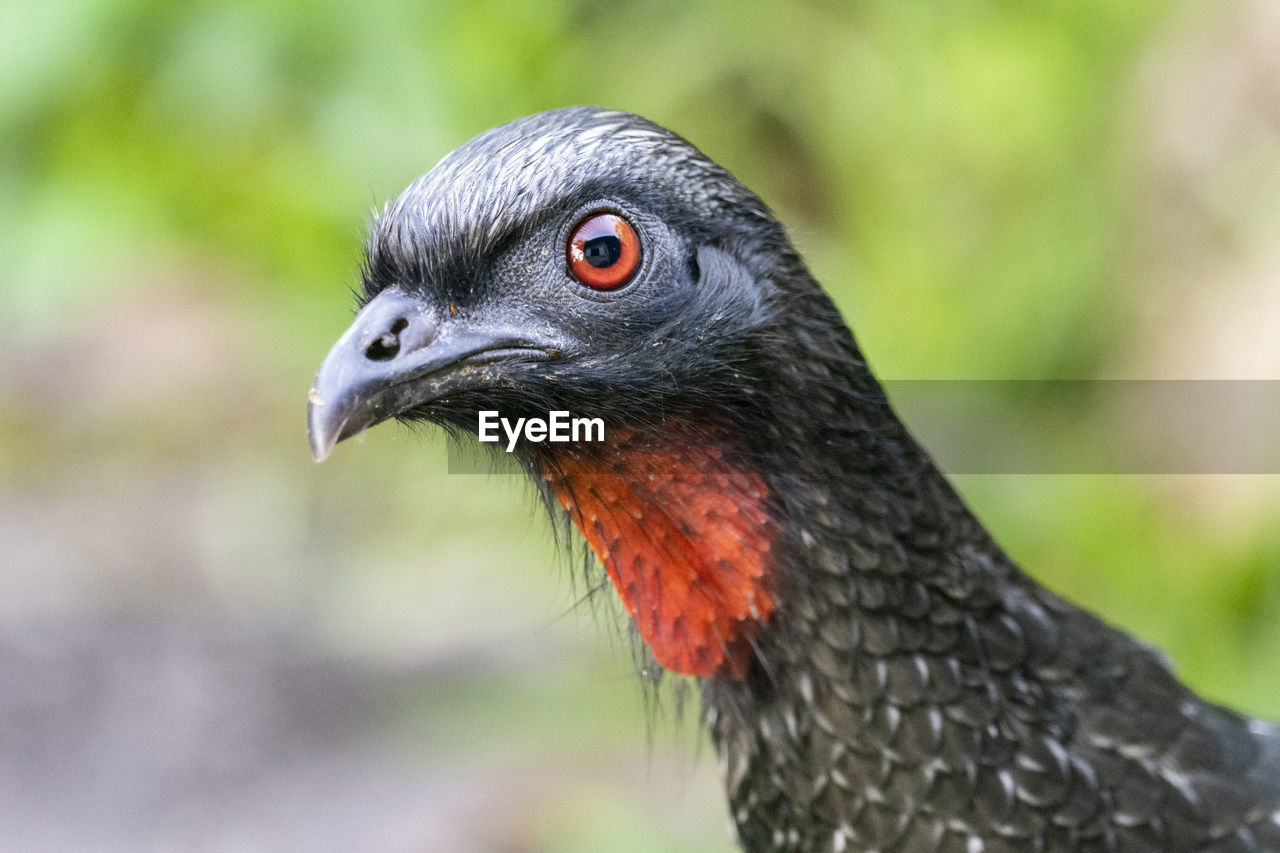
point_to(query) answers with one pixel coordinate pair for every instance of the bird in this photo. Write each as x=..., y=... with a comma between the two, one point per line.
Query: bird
x=876, y=673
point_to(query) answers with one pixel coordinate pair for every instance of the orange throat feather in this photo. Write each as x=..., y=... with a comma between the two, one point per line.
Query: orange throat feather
x=686, y=539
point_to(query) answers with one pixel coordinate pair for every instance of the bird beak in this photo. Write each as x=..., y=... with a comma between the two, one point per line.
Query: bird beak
x=397, y=355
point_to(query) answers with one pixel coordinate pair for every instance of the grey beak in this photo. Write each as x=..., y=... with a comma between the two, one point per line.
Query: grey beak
x=399, y=354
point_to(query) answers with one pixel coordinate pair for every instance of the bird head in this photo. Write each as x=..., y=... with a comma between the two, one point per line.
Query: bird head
x=592, y=262
x=580, y=260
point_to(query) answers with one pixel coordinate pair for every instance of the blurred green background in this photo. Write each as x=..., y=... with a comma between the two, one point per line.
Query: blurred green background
x=208, y=642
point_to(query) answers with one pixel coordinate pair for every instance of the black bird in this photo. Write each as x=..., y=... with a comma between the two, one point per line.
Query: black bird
x=876, y=674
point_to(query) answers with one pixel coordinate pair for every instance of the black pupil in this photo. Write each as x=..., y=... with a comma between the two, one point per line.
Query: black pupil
x=602, y=251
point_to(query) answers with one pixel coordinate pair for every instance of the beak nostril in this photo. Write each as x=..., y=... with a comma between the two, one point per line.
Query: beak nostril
x=385, y=346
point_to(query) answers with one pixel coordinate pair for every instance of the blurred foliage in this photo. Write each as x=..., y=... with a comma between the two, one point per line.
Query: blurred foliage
x=989, y=189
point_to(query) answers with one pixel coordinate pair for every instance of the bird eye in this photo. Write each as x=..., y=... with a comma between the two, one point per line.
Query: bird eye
x=604, y=251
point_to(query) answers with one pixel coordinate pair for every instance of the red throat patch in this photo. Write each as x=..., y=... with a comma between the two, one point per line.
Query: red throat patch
x=684, y=537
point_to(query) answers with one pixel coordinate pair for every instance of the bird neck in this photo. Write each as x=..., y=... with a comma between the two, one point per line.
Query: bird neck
x=869, y=527
x=721, y=530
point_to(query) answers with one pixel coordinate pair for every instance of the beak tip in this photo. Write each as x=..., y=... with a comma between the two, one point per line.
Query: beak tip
x=319, y=433
x=318, y=453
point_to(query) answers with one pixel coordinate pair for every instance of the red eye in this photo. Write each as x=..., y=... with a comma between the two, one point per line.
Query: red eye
x=604, y=251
